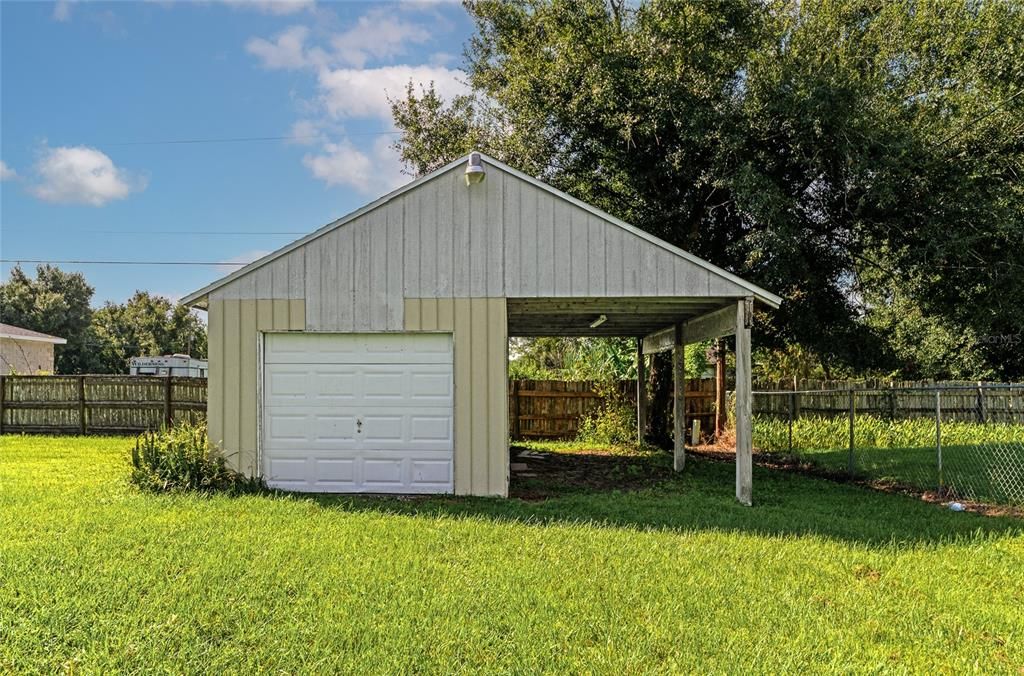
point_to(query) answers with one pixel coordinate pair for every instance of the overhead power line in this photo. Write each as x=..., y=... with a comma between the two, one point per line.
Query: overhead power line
x=122, y=262
x=72, y=230
x=239, y=139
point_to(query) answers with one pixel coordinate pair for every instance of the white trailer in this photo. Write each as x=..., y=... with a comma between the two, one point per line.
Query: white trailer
x=169, y=365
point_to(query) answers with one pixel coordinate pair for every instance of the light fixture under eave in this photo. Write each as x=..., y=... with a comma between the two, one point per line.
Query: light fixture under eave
x=597, y=322
x=475, y=169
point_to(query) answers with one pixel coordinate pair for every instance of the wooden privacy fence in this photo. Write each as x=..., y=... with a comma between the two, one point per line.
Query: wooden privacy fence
x=98, y=404
x=958, y=400
x=553, y=409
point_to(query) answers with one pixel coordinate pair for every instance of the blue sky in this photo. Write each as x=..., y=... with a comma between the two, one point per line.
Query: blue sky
x=90, y=92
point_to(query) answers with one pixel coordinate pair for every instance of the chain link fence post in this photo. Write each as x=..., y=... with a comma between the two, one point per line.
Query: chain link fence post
x=938, y=435
x=853, y=412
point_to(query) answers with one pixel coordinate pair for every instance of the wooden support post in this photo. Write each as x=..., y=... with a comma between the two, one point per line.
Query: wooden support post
x=3, y=396
x=982, y=413
x=81, y=405
x=719, y=388
x=168, y=405
x=516, y=429
x=641, y=391
x=744, y=422
x=679, y=402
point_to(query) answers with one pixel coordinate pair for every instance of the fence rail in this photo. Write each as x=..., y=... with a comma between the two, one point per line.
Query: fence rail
x=553, y=409
x=98, y=404
x=963, y=440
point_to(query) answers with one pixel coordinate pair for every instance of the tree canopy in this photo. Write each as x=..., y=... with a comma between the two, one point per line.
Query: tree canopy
x=103, y=340
x=855, y=157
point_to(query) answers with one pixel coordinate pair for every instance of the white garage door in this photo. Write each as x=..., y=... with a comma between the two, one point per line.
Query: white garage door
x=358, y=413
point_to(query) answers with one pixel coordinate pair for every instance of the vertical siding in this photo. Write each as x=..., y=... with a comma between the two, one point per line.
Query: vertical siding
x=480, y=335
x=234, y=329
x=502, y=237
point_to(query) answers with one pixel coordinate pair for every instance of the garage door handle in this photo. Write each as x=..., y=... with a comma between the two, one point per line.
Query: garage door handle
x=359, y=425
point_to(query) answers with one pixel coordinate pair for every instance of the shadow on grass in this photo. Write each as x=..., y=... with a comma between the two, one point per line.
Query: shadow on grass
x=702, y=498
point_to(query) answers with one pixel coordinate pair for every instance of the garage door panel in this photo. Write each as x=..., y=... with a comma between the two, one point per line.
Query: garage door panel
x=369, y=348
x=320, y=387
x=431, y=428
x=334, y=384
x=431, y=472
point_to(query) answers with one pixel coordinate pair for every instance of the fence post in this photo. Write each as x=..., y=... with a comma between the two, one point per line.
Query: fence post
x=3, y=395
x=796, y=406
x=792, y=404
x=168, y=410
x=938, y=435
x=853, y=412
x=982, y=413
x=81, y=405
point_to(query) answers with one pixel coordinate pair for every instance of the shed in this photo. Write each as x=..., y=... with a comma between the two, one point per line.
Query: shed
x=372, y=355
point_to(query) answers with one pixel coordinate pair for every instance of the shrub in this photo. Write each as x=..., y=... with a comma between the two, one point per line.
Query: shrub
x=181, y=459
x=614, y=423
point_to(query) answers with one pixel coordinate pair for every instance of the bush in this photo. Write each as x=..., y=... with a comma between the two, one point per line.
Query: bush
x=181, y=459
x=614, y=423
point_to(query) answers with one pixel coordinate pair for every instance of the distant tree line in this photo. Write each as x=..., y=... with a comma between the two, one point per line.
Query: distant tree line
x=99, y=340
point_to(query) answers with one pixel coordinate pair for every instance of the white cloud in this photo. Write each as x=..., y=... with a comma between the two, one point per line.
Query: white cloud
x=377, y=35
x=82, y=175
x=349, y=92
x=62, y=10
x=286, y=51
x=277, y=7
x=6, y=172
x=306, y=133
x=342, y=164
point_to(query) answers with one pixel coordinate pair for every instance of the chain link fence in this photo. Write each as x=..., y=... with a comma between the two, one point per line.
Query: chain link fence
x=964, y=442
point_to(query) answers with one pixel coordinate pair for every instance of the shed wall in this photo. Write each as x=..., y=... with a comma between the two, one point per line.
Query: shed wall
x=479, y=329
x=233, y=328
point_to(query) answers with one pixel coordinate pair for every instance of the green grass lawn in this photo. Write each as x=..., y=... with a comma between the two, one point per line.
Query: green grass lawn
x=95, y=576
x=983, y=463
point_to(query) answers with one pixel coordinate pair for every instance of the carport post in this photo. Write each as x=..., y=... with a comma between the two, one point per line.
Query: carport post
x=744, y=429
x=641, y=391
x=679, y=401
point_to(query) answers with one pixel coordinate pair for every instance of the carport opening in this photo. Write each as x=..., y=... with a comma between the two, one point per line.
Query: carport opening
x=574, y=369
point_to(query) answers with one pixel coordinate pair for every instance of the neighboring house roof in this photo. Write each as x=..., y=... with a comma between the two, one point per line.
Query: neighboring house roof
x=199, y=297
x=18, y=333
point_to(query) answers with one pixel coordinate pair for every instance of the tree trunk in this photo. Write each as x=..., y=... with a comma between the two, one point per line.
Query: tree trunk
x=659, y=408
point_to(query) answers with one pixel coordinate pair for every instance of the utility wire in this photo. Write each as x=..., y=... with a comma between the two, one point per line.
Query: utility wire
x=70, y=230
x=122, y=262
x=238, y=139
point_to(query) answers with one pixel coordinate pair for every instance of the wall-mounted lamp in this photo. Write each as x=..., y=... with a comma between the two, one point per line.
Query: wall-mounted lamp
x=475, y=169
x=597, y=322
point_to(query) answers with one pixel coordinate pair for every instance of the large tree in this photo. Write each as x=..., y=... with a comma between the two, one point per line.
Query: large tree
x=145, y=325
x=57, y=303
x=848, y=155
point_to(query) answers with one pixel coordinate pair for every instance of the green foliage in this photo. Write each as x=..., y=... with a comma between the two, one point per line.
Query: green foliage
x=103, y=340
x=596, y=359
x=614, y=423
x=821, y=433
x=825, y=150
x=57, y=303
x=144, y=325
x=181, y=459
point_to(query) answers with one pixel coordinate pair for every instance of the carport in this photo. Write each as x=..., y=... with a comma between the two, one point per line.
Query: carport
x=372, y=354
x=658, y=324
